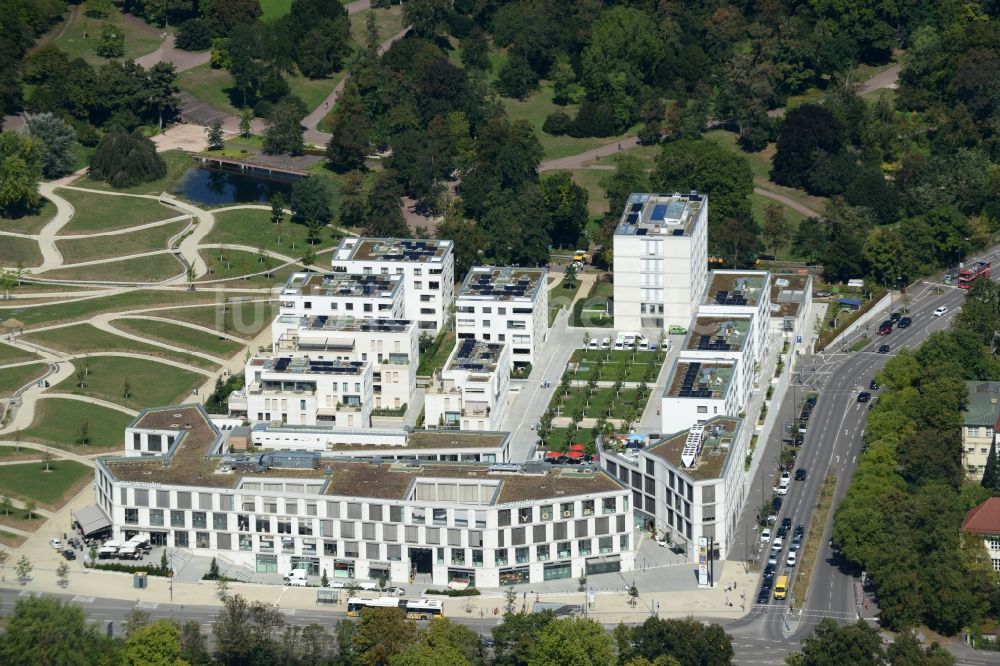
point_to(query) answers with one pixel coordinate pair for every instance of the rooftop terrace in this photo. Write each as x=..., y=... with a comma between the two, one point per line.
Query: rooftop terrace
x=692, y=379
x=718, y=333
x=345, y=285
x=701, y=451
x=660, y=214
x=346, y=324
x=787, y=293
x=303, y=365
x=738, y=289
x=393, y=249
x=502, y=283
x=475, y=355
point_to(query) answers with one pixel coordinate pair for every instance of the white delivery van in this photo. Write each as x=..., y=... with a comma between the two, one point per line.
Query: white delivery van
x=297, y=578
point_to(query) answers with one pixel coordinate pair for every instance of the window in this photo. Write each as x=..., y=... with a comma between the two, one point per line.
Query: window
x=521, y=555
x=563, y=549
x=394, y=552
x=199, y=520
x=542, y=552
x=305, y=527
x=347, y=530
x=395, y=514
x=440, y=516
x=288, y=545
x=262, y=525
x=500, y=557
x=566, y=509
x=246, y=542
x=546, y=512
x=374, y=512
x=156, y=517
x=623, y=542
x=284, y=526
x=588, y=507
x=267, y=544
x=458, y=556
x=132, y=516
x=609, y=505
x=524, y=516
x=503, y=517
x=177, y=519
x=201, y=540
x=605, y=544
x=180, y=539
x=418, y=516
x=538, y=535
x=220, y=521
x=583, y=546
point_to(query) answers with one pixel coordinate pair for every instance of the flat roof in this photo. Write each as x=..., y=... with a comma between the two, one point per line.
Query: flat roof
x=718, y=333
x=700, y=451
x=436, y=439
x=501, y=283
x=393, y=249
x=475, y=355
x=303, y=365
x=788, y=292
x=696, y=379
x=735, y=288
x=347, y=324
x=662, y=214
x=344, y=285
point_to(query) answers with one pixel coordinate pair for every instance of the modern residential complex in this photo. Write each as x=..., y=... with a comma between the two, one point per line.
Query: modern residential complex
x=470, y=393
x=691, y=484
x=427, y=267
x=660, y=260
x=270, y=512
x=982, y=413
x=505, y=305
x=343, y=295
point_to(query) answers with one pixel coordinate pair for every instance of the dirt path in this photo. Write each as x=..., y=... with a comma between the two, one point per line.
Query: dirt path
x=788, y=201
x=577, y=161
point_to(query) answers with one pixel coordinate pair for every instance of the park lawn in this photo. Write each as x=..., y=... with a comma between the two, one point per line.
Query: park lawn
x=240, y=269
x=214, y=86
x=119, y=245
x=177, y=162
x=51, y=489
x=242, y=319
x=99, y=212
x=88, y=339
x=180, y=336
x=645, y=154
x=151, y=269
x=153, y=384
x=760, y=162
x=389, y=21
x=19, y=251
x=14, y=378
x=57, y=423
x=793, y=217
x=253, y=227
x=138, y=299
x=273, y=9
x=29, y=224
x=81, y=35
x=604, y=402
x=314, y=91
x=11, y=354
x=590, y=180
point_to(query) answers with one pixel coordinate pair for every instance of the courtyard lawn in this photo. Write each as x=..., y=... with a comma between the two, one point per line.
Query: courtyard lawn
x=88, y=339
x=253, y=227
x=151, y=269
x=29, y=224
x=153, y=384
x=593, y=311
x=119, y=245
x=19, y=251
x=100, y=212
x=14, y=378
x=435, y=359
x=51, y=489
x=237, y=265
x=242, y=319
x=561, y=296
x=78, y=38
x=177, y=163
x=180, y=336
x=604, y=402
x=84, y=309
x=58, y=421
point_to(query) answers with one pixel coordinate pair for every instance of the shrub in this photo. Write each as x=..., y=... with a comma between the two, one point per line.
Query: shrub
x=556, y=123
x=467, y=592
x=593, y=119
x=194, y=35
x=151, y=569
x=126, y=158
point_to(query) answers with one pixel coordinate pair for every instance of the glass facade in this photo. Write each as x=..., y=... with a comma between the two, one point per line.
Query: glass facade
x=556, y=570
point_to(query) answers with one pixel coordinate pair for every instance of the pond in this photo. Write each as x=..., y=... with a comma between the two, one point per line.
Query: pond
x=217, y=187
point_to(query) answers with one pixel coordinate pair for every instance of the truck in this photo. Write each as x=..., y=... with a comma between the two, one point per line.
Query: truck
x=969, y=274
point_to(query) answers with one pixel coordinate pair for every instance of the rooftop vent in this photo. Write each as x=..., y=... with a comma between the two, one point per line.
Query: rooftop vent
x=692, y=446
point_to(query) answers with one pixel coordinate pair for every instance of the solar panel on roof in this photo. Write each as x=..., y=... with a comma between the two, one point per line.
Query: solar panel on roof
x=641, y=232
x=659, y=211
x=632, y=218
x=636, y=207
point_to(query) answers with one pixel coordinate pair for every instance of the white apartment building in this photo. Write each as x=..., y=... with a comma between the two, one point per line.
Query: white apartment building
x=741, y=293
x=403, y=445
x=505, y=304
x=690, y=485
x=303, y=390
x=699, y=390
x=660, y=260
x=980, y=419
x=390, y=345
x=427, y=267
x=477, y=524
x=470, y=393
x=343, y=295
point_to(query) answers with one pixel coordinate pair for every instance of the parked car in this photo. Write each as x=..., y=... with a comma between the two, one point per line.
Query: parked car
x=593, y=344
x=864, y=396
x=781, y=490
x=882, y=349
x=873, y=385
x=940, y=312
x=606, y=343
x=765, y=536
x=785, y=479
x=69, y=554
x=56, y=543
x=777, y=543
x=895, y=317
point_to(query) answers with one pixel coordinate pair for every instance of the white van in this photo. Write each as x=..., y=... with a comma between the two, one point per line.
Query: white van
x=297, y=578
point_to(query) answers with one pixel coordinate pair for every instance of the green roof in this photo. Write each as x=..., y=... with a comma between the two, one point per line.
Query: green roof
x=984, y=403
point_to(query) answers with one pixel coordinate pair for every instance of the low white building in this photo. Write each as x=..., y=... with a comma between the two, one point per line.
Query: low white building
x=689, y=485
x=471, y=392
x=343, y=295
x=732, y=294
x=505, y=304
x=699, y=390
x=427, y=267
x=302, y=390
x=660, y=260
x=453, y=523
x=391, y=346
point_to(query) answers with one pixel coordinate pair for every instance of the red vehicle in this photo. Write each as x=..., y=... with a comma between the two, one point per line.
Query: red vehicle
x=973, y=272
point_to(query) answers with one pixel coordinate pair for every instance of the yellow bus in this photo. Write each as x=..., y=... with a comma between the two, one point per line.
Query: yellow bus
x=781, y=587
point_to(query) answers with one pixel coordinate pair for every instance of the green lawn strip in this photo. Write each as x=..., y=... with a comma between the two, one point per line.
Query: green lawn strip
x=99, y=212
x=11, y=453
x=561, y=296
x=14, y=378
x=535, y=108
x=180, y=336
x=58, y=423
x=119, y=245
x=11, y=540
x=244, y=320
x=177, y=162
x=152, y=269
x=29, y=224
x=253, y=227
x=51, y=489
x=23, y=251
x=213, y=86
x=435, y=360
x=153, y=384
x=645, y=154
x=88, y=339
x=238, y=265
x=10, y=354
x=590, y=180
x=273, y=9
x=760, y=162
x=80, y=37
x=389, y=21
x=136, y=299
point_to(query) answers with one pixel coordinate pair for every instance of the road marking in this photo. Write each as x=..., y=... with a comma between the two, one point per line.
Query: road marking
x=148, y=605
x=83, y=600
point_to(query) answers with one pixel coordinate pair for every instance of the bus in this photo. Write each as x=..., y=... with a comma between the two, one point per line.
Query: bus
x=972, y=272
x=781, y=587
x=414, y=609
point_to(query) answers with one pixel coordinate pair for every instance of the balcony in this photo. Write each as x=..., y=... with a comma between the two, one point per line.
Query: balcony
x=237, y=401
